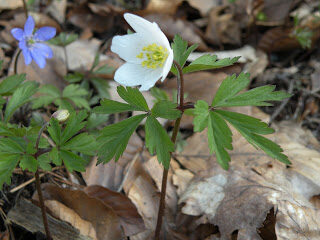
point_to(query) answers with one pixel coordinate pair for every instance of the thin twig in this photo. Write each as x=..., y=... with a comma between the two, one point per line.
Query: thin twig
x=162, y=204
x=25, y=8
x=16, y=62
x=13, y=190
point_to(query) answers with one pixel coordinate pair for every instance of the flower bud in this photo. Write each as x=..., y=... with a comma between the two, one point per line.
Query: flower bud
x=61, y=115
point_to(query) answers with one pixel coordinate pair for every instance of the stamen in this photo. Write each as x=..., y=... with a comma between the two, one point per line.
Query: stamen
x=154, y=56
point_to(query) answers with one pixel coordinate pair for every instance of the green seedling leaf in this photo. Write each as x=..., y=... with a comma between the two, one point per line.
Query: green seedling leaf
x=201, y=115
x=133, y=97
x=109, y=106
x=102, y=86
x=74, y=124
x=159, y=94
x=207, y=62
x=114, y=138
x=28, y=162
x=83, y=143
x=8, y=162
x=9, y=84
x=64, y=39
x=74, y=77
x=72, y=161
x=166, y=109
x=21, y=96
x=105, y=69
x=158, y=141
x=96, y=120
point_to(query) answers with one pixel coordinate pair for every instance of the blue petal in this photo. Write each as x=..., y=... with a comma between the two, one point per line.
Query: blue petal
x=38, y=57
x=44, y=50
x=45, y=33
x=23, y=45
x=17, y=33
x=29, y=26
x=27, y=56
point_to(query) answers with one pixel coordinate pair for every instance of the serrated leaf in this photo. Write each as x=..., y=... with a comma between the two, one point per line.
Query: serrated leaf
x=28, y=162
x=83, y=143
x=74, y=124
x=114, y=138
x=44, y=162
x=80, y=102
x=10, y=145
x=20, y=96
x=74, y=77
x=54, y=156
x=8, y=162
x=181, y=51
x=109, y=107
x=256, y=97
x=166, y=109
x=64, y=39
x=72, y=161
x=102, y=86
x=74, y=90
x=95, y=120
x=105, y=69
x=244, y=121
x=207, y=62
x=52, y=93
x=9, y=84
x=201, y=115
x=158, y=141
x=159, y=94
x=228, y=93
x=134, y=97
x=54, y=130
x=219, y=139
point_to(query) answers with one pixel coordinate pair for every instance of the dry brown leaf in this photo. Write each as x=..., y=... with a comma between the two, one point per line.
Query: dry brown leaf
x=162, y=6
x=112, y=174
x=129, y=218
x=57, y=9
x=222, y=27
x=240, y=199
x=66, y=214
x=172, y=26
x=204, y=6
x=94, y=205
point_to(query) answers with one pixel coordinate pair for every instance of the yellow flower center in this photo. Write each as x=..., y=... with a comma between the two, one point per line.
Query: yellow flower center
x=153, y=56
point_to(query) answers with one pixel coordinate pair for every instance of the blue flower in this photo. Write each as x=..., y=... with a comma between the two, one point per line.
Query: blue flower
x=31, y=42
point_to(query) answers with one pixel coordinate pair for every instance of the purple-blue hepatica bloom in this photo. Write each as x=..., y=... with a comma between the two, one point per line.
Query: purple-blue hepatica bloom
x=31, y=42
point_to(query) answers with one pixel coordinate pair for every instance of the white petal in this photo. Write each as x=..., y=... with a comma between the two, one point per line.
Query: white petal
x=128, y=46
x=167, y=66
x=130, y=74
x=151, y=31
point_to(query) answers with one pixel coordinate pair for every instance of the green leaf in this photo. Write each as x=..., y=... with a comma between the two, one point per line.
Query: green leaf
x=249, y=128
x=102, y=86
x=181, y=51
x=28, y=162
x=83, y=143
x=114, y=138
x=8, y=162
x=64, y=39
x=159, y=94
x=227, y=93
x=72, y=161
x=9, y=84
x=201, y=115
x=44, y=162
x=105, y=69
x=134, y=97
x=96, y=61
x=54, y=130
x=74, y=124
x=219, y=139
x=74, y=77
x=51, y=92
x=166, y=109
x=20, y=96
x=96, y=120
x=158, y=141
x=54, y=156
x=207, y=62
x=9, y=145
x=244, y=121
x=109, y=106
x=74, y=90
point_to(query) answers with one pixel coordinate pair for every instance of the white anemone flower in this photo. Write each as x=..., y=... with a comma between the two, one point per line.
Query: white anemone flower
x=147, y=53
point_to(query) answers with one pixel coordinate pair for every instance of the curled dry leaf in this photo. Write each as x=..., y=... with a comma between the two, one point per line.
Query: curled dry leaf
x=172, y=26
x=111, y=214
x=241, y=198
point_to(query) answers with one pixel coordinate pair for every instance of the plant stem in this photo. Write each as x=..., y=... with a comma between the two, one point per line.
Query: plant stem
x=41, y=201
x=162, y=204
x=16, y=62
x=25, y=8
